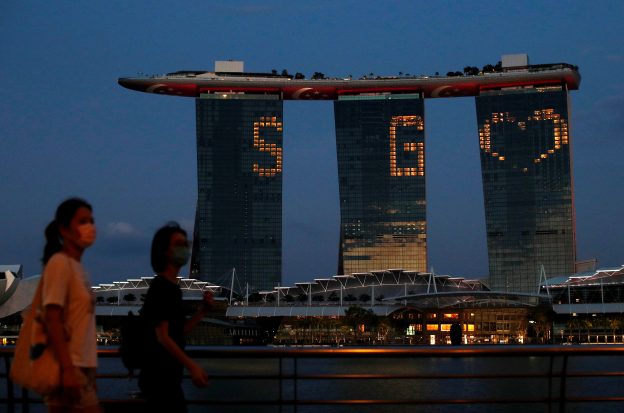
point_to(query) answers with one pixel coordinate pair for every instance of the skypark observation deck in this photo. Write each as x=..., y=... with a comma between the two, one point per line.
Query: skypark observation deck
x=196, y=83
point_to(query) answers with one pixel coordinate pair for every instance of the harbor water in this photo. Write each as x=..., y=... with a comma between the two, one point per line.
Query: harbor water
x=251, y=385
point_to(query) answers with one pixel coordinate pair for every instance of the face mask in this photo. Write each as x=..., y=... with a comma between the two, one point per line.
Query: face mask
x=87, y=234
x=180, y=256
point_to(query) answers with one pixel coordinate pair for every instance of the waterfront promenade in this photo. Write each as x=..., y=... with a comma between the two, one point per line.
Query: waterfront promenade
x=504, y=378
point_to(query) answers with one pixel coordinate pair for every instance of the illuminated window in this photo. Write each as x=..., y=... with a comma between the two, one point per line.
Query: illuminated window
x=560, y=131
x=418, y=147
x=432, y=327
x=272, y=148
x=412, y=329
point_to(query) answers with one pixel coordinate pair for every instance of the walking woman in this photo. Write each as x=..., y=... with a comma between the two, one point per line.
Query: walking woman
x=69, y=306
x=160, y=379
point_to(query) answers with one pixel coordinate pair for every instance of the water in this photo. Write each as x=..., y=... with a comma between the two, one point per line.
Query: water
x=409, y=389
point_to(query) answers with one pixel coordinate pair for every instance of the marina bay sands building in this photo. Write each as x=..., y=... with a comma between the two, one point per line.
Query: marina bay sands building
x=381, y=171
x=523, y=137
x=527, y=185
x=239, y=173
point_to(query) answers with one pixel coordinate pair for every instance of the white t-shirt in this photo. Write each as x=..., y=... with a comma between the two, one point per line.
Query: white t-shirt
x=65, y=283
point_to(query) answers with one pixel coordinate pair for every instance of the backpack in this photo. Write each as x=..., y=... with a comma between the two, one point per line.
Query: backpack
x=134, y=342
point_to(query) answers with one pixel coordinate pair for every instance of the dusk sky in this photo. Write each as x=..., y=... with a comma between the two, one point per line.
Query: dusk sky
x=68, y=129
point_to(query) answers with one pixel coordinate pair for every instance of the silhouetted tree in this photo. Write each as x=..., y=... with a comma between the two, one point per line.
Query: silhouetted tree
x=350, y=297
x=129, y=297
x=299, y=75
x=488, y=68
x=471, y=71
x=318, y=75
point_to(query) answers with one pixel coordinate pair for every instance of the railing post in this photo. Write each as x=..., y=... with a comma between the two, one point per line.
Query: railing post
x=550, y=382
x=281, y=383
x=25, y=401
x=295, y=379
x=562, y=384
x=10, y=395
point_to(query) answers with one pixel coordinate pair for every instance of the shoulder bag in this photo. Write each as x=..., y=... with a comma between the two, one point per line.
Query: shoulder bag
x=35, y=365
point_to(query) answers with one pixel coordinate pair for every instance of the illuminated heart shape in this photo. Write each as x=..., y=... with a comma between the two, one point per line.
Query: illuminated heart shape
x=559, y=138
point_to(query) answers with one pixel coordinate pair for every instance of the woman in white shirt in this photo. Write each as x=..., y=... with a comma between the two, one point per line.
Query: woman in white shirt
x=69, y=307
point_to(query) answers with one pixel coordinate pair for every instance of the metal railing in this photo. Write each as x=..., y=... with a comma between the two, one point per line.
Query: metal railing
x=551, y=378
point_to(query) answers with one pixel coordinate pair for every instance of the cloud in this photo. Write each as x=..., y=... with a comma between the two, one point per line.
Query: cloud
x=604, y=119
x=121, y=230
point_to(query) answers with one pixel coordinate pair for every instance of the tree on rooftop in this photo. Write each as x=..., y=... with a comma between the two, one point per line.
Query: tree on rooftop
x=318, y=75
x=299, y=75
x=488, y=68
x=471, y=71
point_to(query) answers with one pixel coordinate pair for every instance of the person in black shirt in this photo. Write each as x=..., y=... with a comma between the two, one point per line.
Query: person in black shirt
x=160, y=379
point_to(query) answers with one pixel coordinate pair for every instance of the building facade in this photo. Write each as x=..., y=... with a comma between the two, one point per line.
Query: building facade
x=380, y=142
x=522, y=114
x=525, y=152
x=239, y=173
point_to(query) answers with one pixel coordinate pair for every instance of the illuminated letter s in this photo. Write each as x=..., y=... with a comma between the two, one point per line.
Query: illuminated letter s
x=272, y=148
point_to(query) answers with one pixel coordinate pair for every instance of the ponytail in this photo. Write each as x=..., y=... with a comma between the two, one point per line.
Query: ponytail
x=64, y=214
x=53, y=241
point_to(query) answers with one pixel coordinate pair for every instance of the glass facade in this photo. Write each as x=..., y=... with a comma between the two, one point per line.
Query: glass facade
x=525, y=143
x=380, y=141
x=239, y=174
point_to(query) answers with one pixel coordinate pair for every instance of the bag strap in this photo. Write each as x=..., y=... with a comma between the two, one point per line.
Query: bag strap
x=38, y=297
x=37, y=302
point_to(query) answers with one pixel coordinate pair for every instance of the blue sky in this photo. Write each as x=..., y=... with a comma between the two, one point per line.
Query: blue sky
x=67, y=128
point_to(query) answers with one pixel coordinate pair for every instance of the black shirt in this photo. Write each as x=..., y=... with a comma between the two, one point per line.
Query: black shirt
x=163, y=302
